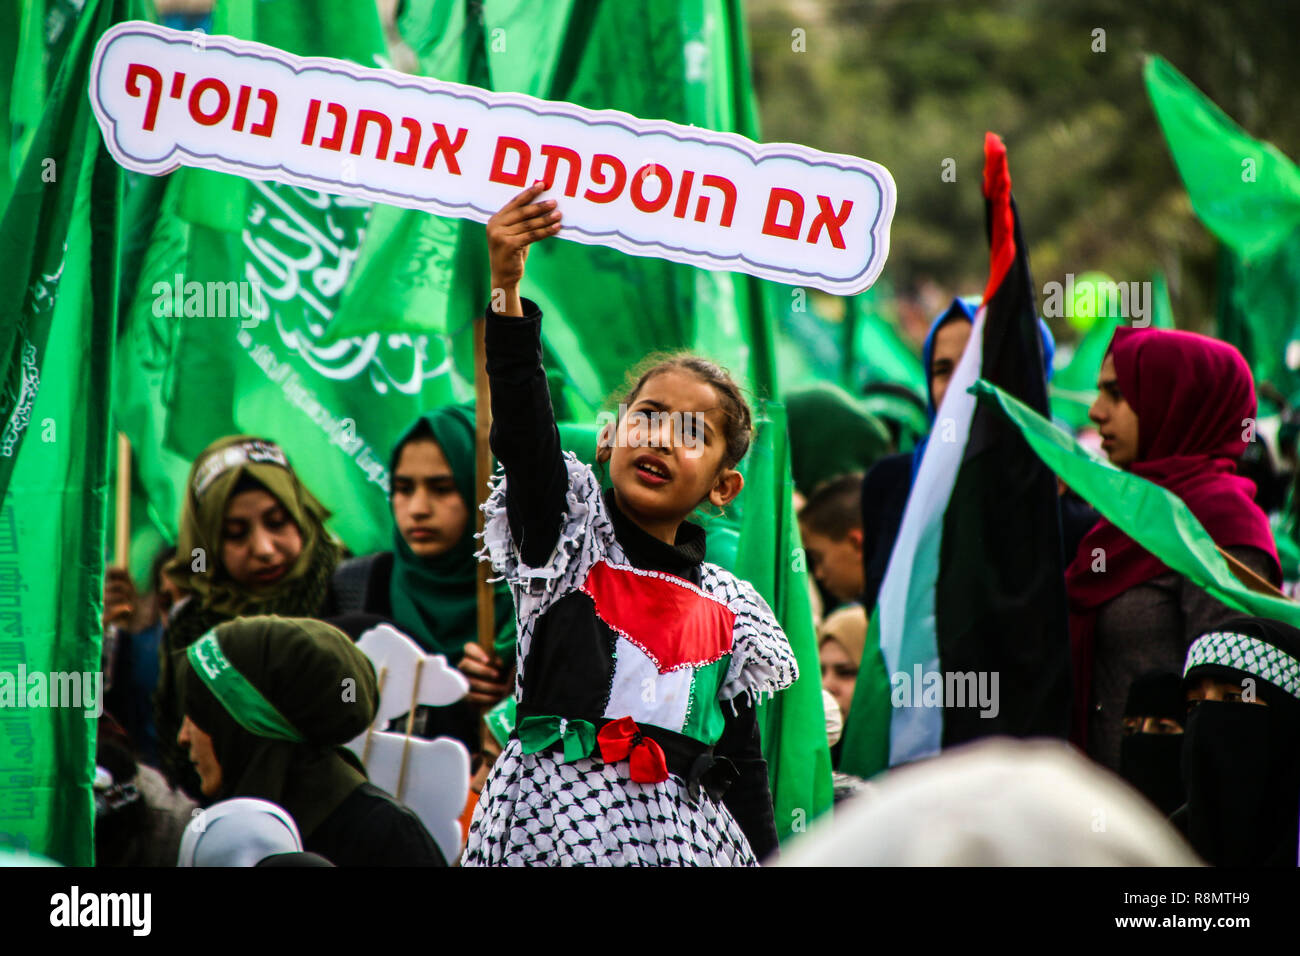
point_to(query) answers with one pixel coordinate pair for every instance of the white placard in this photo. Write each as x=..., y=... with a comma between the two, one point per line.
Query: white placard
x=780, y=211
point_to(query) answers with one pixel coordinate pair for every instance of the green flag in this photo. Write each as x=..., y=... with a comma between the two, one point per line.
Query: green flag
x=683, y=61
x=146, y=359
x=875, y=353
x=34, y=38
x=1259, y=313
x=1247, y=193
x=1156, y=519
x=686, y=62
x=757, y=539
x=230, y=318
x=58, y=298
x=416, y=271
x=770, y=558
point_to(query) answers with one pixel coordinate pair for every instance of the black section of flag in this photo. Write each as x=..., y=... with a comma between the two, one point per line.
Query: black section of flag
x=1000, y=601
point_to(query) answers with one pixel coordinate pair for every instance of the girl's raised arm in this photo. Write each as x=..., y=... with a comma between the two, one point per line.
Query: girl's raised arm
x=524, y=437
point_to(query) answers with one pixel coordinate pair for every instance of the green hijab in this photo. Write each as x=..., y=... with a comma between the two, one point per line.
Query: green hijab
x=212, y=482
x=433, y=599
x=831, y=435
x=280, y=696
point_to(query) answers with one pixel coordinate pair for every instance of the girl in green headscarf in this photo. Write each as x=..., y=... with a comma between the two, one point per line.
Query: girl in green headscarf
x=432, y=588
x=252, y=541
x=268, y=704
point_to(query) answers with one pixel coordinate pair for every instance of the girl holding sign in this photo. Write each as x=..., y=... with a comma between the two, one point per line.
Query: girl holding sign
x=639, y=663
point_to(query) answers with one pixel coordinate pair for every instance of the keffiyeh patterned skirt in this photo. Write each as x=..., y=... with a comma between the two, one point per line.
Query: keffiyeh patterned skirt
x=539, y=811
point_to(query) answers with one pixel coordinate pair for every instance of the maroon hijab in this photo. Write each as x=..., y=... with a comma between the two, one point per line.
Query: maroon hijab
x=1191, y=394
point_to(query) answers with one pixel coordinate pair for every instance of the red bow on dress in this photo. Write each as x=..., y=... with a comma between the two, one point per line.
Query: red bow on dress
x=623, y=738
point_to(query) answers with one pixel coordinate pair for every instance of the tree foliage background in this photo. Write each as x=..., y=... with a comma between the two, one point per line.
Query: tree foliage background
x=910, y=83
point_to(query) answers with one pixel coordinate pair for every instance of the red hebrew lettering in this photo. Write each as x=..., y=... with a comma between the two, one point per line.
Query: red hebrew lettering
x=553, y=156
x=499, y=174
x=407, y=156
x=178, y=85
x=196, y=101
x=770, y=226
x=335, y=140
x=241, y=107
x=832, y=220
x=133, y=74
x=598, y=162
x=728, y=189
x=309, y=128
x=683, y=195
x=268, y=118
x=638, y=185
x=385, y=132
x=449, y=147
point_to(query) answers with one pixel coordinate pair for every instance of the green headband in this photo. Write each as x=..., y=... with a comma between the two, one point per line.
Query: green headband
x=242, y=700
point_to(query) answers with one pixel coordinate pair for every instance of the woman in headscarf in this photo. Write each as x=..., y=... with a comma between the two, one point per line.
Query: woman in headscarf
x=1241, y=749
x=1150, y=754
x=1172, y=407
x=268, y=704
x=426, y=584
x=252, y=541
x=886, y=485
x=842, y=637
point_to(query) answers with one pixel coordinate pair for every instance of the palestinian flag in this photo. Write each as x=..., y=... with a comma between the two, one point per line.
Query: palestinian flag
x=971, y=620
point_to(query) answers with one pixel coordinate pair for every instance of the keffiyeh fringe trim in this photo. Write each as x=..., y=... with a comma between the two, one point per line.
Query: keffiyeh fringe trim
x=762, y=661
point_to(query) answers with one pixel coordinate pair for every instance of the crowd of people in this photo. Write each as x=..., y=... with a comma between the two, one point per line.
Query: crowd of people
x=635, y=665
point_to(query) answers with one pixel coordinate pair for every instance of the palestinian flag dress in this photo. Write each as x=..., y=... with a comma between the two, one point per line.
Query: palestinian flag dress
x=639, y=664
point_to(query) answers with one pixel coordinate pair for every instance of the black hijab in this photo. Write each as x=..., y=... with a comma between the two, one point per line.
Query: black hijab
x=1241, y=761
x=1152, y=762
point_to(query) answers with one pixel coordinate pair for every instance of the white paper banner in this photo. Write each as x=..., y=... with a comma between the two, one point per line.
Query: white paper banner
x=651, y=188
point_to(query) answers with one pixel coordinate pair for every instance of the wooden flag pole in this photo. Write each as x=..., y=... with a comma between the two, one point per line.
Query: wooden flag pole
x=482, y=474
x=1249, y=578
x=122, y=539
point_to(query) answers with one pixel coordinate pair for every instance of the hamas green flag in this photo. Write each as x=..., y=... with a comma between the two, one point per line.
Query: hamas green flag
x=880, y=367
x=770, y=558
x=685, y=61
x=230, y=318
x=758, y=541
x=1247, y=193
x=1259, y=313
x=874, y=353
x=34, y=37
x=58, y=299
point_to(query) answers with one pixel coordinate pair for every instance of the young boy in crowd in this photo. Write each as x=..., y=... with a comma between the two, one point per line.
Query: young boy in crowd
x=831, y=525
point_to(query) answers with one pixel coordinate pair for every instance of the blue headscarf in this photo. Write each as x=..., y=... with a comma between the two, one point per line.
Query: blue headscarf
x=962, y=308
